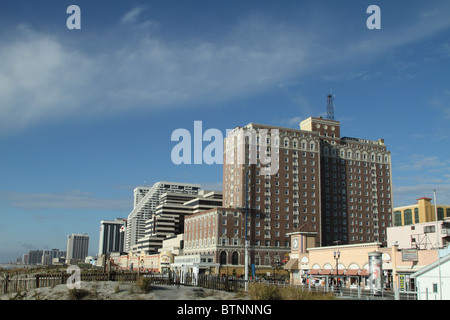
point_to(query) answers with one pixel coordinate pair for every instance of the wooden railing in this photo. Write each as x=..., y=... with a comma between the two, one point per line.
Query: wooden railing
x=22, y=283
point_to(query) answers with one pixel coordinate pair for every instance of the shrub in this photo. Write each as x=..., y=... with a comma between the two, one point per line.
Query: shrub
x=144, y=284
x=262, y=291
x=78, y=294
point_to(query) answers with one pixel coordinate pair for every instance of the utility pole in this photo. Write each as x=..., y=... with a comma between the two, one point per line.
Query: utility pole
x=438, y=244
x=246, y=240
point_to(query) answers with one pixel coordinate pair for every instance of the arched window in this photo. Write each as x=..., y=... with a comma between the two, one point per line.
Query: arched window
x=223, y=257
x=235, y=258
x=397, y=218
x=408, y=217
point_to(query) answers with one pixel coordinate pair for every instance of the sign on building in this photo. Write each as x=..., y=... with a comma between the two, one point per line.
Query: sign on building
x=410, y=255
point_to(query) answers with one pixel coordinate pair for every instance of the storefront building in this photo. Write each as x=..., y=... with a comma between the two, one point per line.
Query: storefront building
x=349, y=264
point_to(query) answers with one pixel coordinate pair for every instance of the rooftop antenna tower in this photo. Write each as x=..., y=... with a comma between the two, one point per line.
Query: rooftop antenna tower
x=330, y=106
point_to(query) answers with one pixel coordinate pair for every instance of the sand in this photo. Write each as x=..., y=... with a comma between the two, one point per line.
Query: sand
x=111, y=290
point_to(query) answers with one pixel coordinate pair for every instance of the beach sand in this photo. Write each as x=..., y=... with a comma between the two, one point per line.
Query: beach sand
x=112, y=290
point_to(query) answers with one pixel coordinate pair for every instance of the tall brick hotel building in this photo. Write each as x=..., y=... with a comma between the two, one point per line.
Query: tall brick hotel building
x=309, y=179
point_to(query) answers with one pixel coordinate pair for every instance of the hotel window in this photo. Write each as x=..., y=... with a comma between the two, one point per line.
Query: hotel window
x=397, y=218
x=440, y=213
x=416, y=215
x=408, y=217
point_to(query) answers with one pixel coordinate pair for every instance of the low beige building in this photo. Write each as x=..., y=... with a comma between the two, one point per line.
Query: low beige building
x=350, y=263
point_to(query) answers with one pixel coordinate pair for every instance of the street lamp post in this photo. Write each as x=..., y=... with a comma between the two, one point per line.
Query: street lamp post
x=337, y=255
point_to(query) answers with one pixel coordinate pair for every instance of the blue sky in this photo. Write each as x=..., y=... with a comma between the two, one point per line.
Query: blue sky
x=87, y=115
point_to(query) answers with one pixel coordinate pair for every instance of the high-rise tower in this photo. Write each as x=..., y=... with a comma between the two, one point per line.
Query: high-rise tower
x=340, y=188
x=145, y=202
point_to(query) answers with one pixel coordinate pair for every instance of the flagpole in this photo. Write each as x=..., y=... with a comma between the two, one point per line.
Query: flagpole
x=438, y=245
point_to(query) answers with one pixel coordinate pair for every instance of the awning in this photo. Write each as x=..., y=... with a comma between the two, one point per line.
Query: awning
x=346, y=272
x=291, y=264
x=340, y=271
x=352, y=272
x=364, y=272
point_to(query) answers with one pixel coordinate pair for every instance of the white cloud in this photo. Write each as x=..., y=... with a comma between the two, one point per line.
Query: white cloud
x=133, y=14
x=66, y=200
x=419, y=162
x=407, y=194
x=442, y=103
x=43, y=78
x=424, y=174
x=37, y=78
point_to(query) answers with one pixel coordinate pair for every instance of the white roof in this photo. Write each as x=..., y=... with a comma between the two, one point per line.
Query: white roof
x=431, y=266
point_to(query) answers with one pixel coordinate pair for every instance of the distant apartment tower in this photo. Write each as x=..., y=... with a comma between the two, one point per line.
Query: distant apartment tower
x=49, y=255
x=146, y=199
x=112, y=236
x=170, y=214
x=338, y=187
x=34, y=257
x=77, y=246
